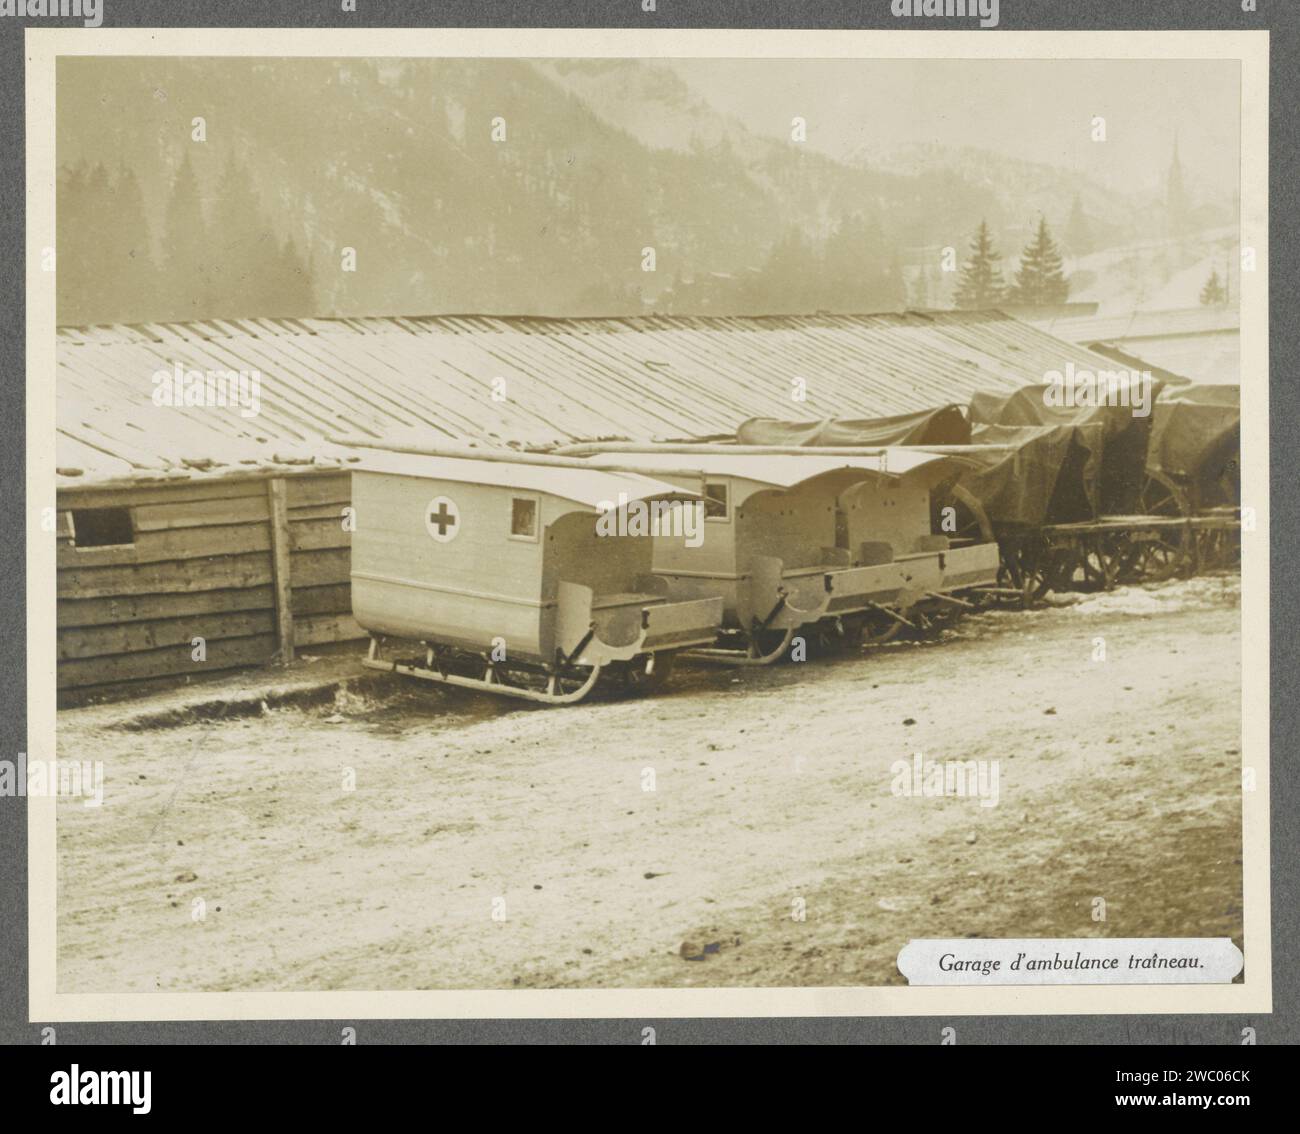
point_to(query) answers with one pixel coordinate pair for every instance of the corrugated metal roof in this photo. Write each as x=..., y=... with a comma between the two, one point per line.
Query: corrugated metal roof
x=1213, y=359
x=1176, y=323
x=779, y=470
x=645, y=378
x=592, y=487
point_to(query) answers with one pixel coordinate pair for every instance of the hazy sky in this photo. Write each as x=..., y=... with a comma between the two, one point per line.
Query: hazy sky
x=1038, y=110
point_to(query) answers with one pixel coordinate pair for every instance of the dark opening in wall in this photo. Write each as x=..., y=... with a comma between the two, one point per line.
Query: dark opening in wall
x=102, y=527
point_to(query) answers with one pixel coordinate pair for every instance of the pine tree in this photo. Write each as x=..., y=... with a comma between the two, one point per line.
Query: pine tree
x=790, y=278
x=1213, y=293
x=96, y=243
x=1039, y=280
x=187, y=267
x=133, y=281
x=859, y=273
x=245, y=255
x=106, y=271
x=981, y=283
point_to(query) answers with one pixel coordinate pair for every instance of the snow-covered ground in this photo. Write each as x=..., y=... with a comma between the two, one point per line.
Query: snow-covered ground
x=484, y=845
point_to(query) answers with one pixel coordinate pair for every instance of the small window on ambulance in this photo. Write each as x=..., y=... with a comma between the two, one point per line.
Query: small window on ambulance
x=523, y=517
x=715, y=501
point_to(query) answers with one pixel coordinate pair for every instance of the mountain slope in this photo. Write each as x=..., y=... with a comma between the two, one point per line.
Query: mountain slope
x=496, y=186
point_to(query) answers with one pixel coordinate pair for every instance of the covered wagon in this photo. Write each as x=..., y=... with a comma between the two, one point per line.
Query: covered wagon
x=1194, y=474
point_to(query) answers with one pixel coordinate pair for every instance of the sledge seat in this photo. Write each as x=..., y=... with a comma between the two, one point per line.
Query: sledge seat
x=626, y=598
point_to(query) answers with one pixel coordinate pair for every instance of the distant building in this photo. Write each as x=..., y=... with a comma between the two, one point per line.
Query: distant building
x=1178, y=210
x=1200, y=343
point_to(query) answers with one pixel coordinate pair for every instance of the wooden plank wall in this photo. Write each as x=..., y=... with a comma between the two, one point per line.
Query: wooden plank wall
x=202, y=565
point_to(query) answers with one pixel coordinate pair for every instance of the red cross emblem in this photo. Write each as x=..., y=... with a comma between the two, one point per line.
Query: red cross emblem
x=442, y=519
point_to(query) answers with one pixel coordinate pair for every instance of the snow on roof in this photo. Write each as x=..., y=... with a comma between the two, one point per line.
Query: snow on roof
x=779, y=470
x=592, y=487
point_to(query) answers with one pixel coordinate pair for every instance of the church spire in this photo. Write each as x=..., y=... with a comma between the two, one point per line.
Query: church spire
x=1177, y=210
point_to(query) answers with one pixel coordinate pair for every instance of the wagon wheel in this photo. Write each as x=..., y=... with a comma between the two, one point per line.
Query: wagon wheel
x=1231, y=547
x=1102, y=561
x=1204, y=551
x=1061, y=563
x=1160, y=496
x=1130, y=556
x=1217, y=548
x=1169, y=553
x=1153, y=560
x=1029, y=567
x=1009, y=565
x=647, y=674
x=1233, y=539
x=1013, y=569
x=971, y=522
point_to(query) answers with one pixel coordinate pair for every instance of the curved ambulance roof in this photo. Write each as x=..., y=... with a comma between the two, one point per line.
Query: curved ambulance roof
x=777, y=470
x=592, y=487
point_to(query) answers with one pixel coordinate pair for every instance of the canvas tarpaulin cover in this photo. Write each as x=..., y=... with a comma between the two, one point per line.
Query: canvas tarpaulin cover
x=1197, y=446
x=1206, y=394
x=946, y=425
x=1038, y=473
x=1121, y=452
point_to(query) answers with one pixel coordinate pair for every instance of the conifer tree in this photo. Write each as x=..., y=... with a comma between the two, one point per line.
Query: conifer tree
x=133, y=273
x=1039, y=280
x=981, y=284
x=245, y=255
x=859, y=272
x=1213, y=293
x=790, y=278
x=187, y=268
x=106, y=270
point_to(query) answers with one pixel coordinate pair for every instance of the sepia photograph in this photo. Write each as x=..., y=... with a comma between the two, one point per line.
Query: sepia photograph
x=764, y=523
